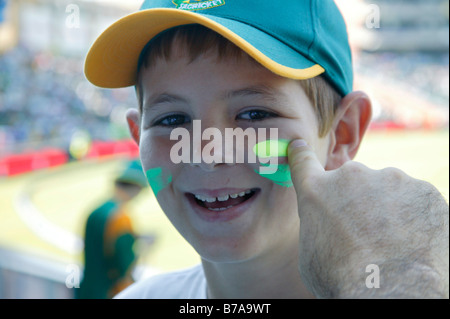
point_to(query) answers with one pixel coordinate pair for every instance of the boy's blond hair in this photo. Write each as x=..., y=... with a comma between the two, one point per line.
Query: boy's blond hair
x=198, y=39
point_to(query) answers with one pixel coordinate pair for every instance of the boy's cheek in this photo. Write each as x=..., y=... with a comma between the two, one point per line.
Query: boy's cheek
x=155, y=158
x=155, y=151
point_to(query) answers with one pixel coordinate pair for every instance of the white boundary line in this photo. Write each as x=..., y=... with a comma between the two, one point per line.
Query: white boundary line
x=42, y=227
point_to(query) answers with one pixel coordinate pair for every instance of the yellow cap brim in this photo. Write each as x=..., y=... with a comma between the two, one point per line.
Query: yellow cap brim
x=112, y=60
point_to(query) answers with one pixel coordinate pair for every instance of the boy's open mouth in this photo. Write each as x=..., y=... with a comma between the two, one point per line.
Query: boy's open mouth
x=224, y=202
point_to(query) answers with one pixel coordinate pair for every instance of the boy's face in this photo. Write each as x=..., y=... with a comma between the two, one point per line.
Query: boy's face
x=227, y=93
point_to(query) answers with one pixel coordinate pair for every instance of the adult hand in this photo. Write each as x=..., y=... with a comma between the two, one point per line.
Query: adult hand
x=353, y=217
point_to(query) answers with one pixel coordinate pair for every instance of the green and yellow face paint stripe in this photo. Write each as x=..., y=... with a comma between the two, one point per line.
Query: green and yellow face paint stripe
x=268, y=150
x=158, y=179
x=271, y=148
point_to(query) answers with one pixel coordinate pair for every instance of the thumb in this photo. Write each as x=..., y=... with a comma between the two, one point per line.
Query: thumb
x=303, y=162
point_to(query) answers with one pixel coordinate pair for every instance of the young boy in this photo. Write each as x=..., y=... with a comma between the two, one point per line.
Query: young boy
x=282, y=67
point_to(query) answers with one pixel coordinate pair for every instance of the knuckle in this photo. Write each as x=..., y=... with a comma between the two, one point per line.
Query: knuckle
x=353, y=175
x=352, y=168
x=393, y=173
x=396, y=178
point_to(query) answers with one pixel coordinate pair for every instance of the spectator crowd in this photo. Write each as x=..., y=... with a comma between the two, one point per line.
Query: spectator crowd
x=45, y=100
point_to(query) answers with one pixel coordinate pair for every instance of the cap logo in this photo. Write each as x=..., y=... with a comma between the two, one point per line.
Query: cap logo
x=190, y=5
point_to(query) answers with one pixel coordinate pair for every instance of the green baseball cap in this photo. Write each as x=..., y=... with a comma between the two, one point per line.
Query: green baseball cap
x=297, y=39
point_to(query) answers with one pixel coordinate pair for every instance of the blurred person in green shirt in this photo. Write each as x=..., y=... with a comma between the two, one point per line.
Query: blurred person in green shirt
x=109, y=240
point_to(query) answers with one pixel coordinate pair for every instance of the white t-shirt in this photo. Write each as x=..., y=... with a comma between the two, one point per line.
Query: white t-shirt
x=183, y=284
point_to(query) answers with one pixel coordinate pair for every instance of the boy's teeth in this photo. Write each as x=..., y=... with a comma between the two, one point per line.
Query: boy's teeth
x=221, y=198
x=220, y=209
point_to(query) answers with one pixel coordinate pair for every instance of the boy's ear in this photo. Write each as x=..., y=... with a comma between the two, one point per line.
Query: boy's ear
x=349, y=126
x=133, y=124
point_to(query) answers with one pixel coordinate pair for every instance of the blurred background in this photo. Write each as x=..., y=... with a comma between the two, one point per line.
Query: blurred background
x=63, y=140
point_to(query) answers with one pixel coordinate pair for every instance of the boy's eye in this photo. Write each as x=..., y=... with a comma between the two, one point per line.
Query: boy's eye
x=173, y=120
x=255, y=115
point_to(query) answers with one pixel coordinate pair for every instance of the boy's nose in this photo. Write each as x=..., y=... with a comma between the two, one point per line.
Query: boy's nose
x=211, y=152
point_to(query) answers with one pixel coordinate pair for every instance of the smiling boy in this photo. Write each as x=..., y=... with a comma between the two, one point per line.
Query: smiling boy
x=269, y=65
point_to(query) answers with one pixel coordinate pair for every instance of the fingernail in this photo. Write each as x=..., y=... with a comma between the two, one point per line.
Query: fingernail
x=298, y=143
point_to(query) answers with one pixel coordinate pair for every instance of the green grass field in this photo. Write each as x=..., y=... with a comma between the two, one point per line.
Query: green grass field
x=66, y=195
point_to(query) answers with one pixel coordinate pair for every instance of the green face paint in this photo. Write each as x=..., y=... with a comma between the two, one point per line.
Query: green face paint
x=271, y=148
x=280, y=174
x=158, y=179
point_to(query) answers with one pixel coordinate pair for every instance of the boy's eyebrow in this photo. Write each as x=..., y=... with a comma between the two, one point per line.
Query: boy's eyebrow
x=262, y=91
x=163, y=98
